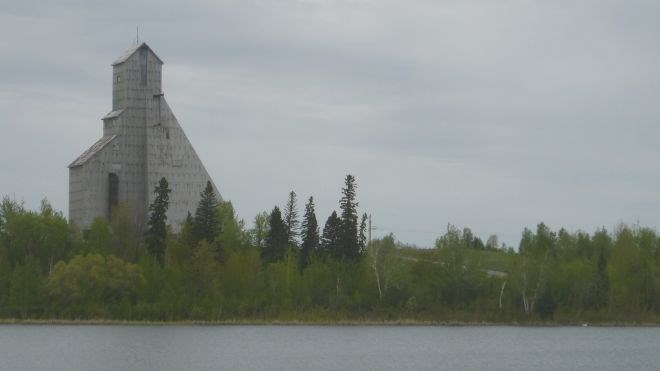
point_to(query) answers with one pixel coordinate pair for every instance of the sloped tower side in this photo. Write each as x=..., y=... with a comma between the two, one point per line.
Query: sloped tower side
x=142, y=142
x=170, y=155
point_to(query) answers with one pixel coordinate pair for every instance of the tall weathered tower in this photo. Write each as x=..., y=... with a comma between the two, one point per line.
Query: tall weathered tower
x=142, y=142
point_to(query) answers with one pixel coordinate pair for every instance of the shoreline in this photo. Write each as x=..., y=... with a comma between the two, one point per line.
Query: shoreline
x=348, y=323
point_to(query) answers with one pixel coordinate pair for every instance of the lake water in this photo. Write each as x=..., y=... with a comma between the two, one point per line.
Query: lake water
x=146, y=348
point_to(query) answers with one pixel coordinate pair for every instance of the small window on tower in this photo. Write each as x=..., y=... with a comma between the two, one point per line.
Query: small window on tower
x=118, y=79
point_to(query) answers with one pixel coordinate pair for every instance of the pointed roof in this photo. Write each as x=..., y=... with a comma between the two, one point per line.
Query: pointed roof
x=127, y=54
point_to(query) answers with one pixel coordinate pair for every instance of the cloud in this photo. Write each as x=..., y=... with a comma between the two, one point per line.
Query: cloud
x=492, y=115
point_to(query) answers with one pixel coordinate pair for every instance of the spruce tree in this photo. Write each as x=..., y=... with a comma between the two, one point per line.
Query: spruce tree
x=206, y=216
x=348, y=234
x=362, y=237
x=157, y=225
x=276, y=240
x=291, y=220
x=310, y=235
x=330, y=240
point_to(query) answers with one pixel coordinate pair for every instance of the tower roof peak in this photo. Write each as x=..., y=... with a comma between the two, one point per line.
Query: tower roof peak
x=127, y=54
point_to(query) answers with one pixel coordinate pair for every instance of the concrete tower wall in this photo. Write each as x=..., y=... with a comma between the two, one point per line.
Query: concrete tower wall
x=171, y=155
x=142, y=142
x=88, y=184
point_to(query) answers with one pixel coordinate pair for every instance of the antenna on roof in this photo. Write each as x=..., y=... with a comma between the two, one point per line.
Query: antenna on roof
x=137, y=35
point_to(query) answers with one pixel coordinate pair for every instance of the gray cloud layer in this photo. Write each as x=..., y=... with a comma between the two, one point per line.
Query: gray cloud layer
x=488, y=114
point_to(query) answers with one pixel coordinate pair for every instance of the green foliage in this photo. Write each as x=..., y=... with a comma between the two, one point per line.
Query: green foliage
x=157, y=225
x=260, y=231
x=233, y=235
x=204, y=268
x=91, y=285
x=349, y=248
x=47, y=270
x=310, y=235
x=330, y=241
x=206, y=216
x=632, y=280
x=362, y=234
x=99, y=237
x=243, y=274
x=291, y=220
x=125, y=241
x=390, y=277
x=455, y=238
x=43, y=235
x=277, y=239
x=5, y=280
x=25, y=292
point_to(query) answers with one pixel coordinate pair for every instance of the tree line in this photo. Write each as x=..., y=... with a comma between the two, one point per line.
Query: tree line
x=284, y=267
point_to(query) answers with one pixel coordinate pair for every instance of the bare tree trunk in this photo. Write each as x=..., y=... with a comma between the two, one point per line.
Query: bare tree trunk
x=374, y=264
x=539, y=280
x=380, y=292
x=501, y=293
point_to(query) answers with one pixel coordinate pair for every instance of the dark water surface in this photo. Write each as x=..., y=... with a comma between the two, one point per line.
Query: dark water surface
x=60, y=348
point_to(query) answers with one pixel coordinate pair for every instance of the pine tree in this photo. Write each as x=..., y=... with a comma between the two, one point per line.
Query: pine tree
x=276, y=240
x=348, y=235
x=291, y=220
x=157, y=225
x=310, y=235
x=330, y=240
x=206, y=216
x=362, y=237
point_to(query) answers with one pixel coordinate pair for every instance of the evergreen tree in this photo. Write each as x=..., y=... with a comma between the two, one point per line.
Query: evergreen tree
x=362, y=237
x=330, y=240
x=276, y=240
x=206, y=216
x=157, y=225
x=291, y=220
x=348, y=234
x=310, y=235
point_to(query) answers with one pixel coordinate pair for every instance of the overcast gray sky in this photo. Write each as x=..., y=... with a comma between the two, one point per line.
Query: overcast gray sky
x=494, y=115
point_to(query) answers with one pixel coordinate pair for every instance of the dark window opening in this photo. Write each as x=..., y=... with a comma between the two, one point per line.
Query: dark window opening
x=113, y=192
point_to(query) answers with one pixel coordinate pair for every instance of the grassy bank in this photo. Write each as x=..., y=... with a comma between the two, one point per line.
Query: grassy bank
x=276, y=322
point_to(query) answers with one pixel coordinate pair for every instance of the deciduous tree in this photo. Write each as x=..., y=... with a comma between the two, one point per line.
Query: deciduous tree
x=260, y=230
